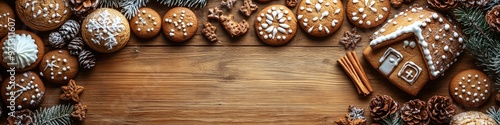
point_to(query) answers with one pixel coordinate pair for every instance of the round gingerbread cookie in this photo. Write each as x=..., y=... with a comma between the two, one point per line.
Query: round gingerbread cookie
x=472, y=118
x=368, y=13
x=275, y=25
x=22, y=51
x=43, y=15
x=179, y=24
x=25, y=91
x=58, y=67
x=470, y=88
x=106, y=30
x=7, y=18
x=320, y=17
x=146, y=24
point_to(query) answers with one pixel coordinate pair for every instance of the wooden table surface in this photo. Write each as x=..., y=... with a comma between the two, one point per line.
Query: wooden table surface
x=235, y=81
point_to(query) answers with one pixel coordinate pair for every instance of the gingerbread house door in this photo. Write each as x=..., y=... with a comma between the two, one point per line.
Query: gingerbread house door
x=389, y=61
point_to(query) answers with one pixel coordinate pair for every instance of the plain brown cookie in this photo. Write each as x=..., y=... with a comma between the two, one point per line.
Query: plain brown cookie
x=368, y=13
x=106, y=30
x=43, y=15
x=320, y=17
x=32, y=48
x=146, y=24
x=26, y=90
x=58, y=67
x=275, y=25
x=179, y=24
x=470, y=88
x=6, y=16
x=472, y=118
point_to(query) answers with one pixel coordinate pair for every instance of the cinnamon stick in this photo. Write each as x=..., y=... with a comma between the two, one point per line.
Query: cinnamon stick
x=363, y=76
x=348, y=71
x=356, y=64
x=356, y=76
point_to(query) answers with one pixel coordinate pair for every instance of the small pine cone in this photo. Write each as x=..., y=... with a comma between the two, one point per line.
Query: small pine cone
x=23, y=117
x=82, y=8
x=475, y=3
x=443, y=4
x=69, y=29
x=441, y=109
x=86, y=59
x=382, y=107
x=76, y=46
x=493, y=18
x=414, y=112
x=56, y=40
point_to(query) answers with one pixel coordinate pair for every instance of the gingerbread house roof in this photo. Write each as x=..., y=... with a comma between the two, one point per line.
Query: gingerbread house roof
x=439, y=40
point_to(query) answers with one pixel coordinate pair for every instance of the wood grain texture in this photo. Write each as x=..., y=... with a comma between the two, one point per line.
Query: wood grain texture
x=237, y=81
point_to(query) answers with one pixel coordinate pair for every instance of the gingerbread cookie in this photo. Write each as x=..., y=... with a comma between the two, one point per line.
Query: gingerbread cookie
x=23, y=51
x=180, y=24
x=368, y=13
x=416, y=46
x=320, y=17
x=472, y=118
x=26, y=91
x=58, y=66
x=146, y=24
x=106, y=30
x=6, y=17
x=276, y=25
x=470, y=88
x=43, y=15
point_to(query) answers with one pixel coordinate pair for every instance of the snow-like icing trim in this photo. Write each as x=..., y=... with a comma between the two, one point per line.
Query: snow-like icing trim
x=20, y=51
x=105, y=28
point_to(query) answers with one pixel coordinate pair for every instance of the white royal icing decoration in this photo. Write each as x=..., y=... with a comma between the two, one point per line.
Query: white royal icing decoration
x=24, y=51
x=105, y=28
x=410, y=72
x=390, y=60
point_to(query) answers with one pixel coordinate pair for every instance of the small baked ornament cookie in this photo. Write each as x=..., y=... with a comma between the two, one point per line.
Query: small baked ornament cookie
x=368, y=13
x=43, y=15
x=472, y=118
x=6, y=16
x=275, y=25
x=180, y=24
x=22, y=51
x=470, y=88
x=106, y=30
x=58, y=67
x=146, y=24
x=416, y=46
x=320, y=17
x=26, y=91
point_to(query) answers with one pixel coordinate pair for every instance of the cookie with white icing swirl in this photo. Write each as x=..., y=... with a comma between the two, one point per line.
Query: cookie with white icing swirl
x=22, y=50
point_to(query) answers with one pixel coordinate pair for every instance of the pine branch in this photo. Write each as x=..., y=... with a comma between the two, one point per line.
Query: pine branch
x=185, y=3
x=495, y=114
x=131, y=7
x=55, y=115
x=491, y=4
x=393, y=119
x=110, y=3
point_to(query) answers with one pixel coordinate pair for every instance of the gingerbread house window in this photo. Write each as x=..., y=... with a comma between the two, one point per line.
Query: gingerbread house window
x=410, y=72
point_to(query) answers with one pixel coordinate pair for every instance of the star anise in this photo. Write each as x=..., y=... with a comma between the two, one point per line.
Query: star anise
x=72, y=91
x=350, y=38
x=79, y=111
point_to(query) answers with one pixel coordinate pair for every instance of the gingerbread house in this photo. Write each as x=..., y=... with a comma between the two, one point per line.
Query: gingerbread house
x=414, y=47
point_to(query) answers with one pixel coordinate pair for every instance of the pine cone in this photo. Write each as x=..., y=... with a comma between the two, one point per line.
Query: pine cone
x=414, y=112
x=76, y=46
x=56, y=40
x=69, y=29
x=82, y=8
x=382, y=107
x=475, y=3
x=23, y=117
x=86, y=59
x=441, y=109
x=493, y=18
x=443, y=4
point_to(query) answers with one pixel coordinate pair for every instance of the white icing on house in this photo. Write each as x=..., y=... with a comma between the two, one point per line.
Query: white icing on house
x=321, y=13
x=24, y=48
x=180, y=25
x=55, y=69
x=410, y=72
x=26, y=85
x=276, y=25
x=368, y=5
x=389, y=61
x=46, y=10
x=143, y=22
x=105, y=27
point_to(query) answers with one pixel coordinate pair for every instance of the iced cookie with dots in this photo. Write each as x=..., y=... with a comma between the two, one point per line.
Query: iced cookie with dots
x=470, y=88
x=179, y=24
x=275, y=25
x=58, y=67
x=105, y=30
x=6, y=16
x=26, y=90
x=43, y=15
x=146, y=24
x=23, y=51
x=320, y=17
x=368, y=13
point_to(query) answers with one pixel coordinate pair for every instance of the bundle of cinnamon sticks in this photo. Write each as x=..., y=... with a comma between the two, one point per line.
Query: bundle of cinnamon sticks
x=351, y=65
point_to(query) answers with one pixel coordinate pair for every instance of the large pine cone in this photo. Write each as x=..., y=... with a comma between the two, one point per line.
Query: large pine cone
x=82, y=8
x=69, y=30
x=475, y=3
x=493, y=18
x=382, y=107
x=86, y=59
x=76, y=46
x=441, y=109
x=443, y=4
x=415, y=112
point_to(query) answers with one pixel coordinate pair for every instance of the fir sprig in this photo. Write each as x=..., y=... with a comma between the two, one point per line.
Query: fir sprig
x=482, y=42
x=495, y=114
x=393, y=119
x=130, y=7
x=55, y=115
